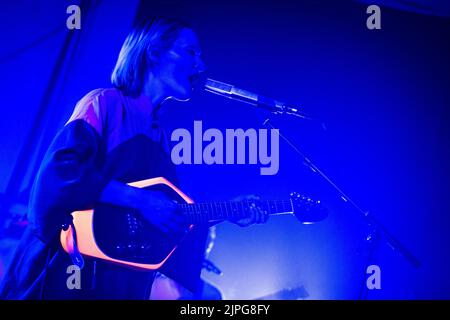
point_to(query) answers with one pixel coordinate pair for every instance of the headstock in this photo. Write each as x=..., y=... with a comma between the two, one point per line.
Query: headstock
x=307, y=210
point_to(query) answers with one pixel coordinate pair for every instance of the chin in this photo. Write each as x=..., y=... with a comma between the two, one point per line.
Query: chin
x=182, y=95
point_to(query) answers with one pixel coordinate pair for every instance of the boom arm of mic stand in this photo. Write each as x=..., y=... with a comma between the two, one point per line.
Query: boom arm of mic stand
x=279, y=108
x=392, y=241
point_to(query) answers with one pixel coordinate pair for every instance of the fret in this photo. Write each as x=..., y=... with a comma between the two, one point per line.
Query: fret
x=270, y=204
x=185, y=209
x=222, y=212
x=217, y=212
x=208, y=212
x=246, y=210
x=216, y=209
x=275, y=206
x=222, y=209
x=197, y=212
x=239, y=210
x=193, y=209
x=225, y=213
x=204, y=210
x=267, y=208
x=235, y=209
x=193, y=212
x=190, y=211
x=242, y=212
x=284, y=207
x=232, y=210
x=213, y=212
x=227, y=209
x=279, y=206
x=242, y=208
x=289, y=207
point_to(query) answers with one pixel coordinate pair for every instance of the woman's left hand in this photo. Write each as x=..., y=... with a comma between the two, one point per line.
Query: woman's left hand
x=257, y=214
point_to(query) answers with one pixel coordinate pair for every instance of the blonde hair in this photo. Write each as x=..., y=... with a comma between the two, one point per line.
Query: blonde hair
x=133, y=63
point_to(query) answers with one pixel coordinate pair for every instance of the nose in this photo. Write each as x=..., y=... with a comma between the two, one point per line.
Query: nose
x=200, y=65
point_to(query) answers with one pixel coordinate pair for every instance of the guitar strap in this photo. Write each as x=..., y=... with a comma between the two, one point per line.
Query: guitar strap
x=72, y=247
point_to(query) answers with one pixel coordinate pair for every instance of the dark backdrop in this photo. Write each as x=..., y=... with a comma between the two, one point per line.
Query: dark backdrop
x=384, y=96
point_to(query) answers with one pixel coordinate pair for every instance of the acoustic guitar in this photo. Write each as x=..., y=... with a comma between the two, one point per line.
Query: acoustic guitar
x=119, y=235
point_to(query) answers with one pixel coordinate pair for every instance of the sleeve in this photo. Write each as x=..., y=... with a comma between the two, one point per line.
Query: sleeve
x=70, y=175
x=92, y=110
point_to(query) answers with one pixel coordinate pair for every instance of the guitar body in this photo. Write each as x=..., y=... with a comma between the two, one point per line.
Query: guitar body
x=119, y=236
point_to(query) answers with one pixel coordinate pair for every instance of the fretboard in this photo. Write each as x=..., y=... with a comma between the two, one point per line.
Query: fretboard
x=202, y=212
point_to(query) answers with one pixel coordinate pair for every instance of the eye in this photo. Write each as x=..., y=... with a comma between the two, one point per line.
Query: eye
x=192, y=52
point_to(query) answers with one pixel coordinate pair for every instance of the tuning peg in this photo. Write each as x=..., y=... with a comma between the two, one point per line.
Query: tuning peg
x=296, y=195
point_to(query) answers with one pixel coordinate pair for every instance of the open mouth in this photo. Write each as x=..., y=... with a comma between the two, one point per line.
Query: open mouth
x=194, y=79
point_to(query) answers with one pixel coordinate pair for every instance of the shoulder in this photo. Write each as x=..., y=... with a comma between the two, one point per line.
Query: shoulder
x=96, y=106
x=100, y=97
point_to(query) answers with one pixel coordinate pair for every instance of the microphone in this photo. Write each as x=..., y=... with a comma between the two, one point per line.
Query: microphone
x=231, y=92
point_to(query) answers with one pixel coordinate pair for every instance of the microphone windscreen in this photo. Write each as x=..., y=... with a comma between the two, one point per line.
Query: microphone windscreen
x=217, y=86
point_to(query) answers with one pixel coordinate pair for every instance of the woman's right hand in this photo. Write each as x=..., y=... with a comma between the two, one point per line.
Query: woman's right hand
x=157, y=208
x=161, y=211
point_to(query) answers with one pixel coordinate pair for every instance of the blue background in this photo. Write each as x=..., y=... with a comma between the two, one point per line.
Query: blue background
x=383, y=94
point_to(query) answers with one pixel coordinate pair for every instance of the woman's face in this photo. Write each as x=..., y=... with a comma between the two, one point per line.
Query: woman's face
x=179, y=67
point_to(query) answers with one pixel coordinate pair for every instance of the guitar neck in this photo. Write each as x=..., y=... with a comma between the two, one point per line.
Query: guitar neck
x=203, y=212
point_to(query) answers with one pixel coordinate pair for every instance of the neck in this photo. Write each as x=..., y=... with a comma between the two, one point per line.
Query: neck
x=152, y=89
x=228, y=210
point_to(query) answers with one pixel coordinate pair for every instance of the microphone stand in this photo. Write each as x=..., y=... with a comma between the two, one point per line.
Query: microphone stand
x=377, y=232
